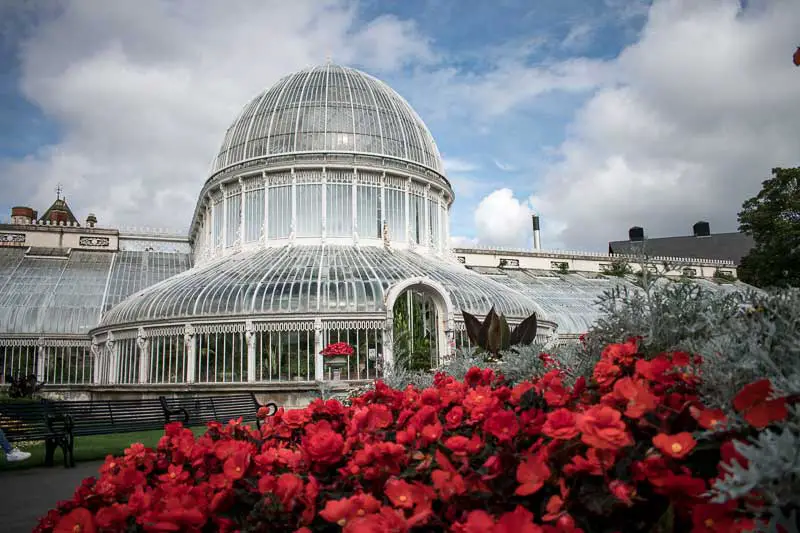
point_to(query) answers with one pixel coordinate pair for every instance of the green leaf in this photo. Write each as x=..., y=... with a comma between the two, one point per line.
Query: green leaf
x=772, y=219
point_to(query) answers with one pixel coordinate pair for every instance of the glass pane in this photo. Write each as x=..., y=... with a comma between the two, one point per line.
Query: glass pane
x=254, y=208
x=280, y=211
x=396, y=214
x=309, y=210
x=369, y=221
x=234, y=219
x=339, y=210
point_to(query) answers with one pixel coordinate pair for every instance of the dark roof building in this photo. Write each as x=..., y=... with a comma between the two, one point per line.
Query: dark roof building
x=701, y=244
x=59, y=213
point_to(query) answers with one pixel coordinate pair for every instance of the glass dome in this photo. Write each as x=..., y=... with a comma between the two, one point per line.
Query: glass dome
x=328, y=108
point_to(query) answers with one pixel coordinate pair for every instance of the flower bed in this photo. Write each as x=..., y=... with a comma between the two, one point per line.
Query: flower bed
x=633, y=450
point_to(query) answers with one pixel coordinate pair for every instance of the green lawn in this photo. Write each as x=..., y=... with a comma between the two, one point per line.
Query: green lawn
x=91, y=448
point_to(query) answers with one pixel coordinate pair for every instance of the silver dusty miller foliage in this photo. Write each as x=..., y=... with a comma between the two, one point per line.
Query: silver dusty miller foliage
x=760, y=340
x=773, y=466
x=743, y=335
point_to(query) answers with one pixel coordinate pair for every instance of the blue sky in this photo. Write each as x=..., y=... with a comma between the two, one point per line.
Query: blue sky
x=23, y=126
x=597, y=114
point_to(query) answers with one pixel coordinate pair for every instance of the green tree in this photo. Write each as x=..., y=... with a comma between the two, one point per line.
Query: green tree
x=773, y=220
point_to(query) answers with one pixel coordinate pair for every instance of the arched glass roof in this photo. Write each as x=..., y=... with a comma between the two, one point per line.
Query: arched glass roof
x=328, y=108
x=570, y=300
x=66, y=295
x=310, y=279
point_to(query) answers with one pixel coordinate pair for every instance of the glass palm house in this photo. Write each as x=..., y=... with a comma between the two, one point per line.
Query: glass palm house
x=325, y=218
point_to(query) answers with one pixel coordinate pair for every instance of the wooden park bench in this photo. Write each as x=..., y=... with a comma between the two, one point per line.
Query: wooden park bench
x=203, y=409
x=105, y=417
x=59, y=422
x=36, y=421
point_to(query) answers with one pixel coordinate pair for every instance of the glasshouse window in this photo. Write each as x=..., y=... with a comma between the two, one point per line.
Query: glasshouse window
x=254, y=209
x=369, y=220
x=339, y=210
x=433, y=226
x=309, y=210
x=234, y=208
x=417, y=217
x=218, y=224
x=395, y=214
x=280, y=211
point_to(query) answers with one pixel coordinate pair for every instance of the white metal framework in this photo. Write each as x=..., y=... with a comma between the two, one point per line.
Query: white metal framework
x=322, y=204
x=327, y=199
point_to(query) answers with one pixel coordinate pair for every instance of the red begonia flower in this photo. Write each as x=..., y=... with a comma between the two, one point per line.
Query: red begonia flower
x=676, y=446
x=531, y=475
x=754, y=406
x=79, y=520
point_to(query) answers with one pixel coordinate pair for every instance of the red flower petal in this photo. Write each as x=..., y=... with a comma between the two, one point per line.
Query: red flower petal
x=708, y=418
x=79, y=520
x=751, y=394
x=765, y=413
x=676, y=446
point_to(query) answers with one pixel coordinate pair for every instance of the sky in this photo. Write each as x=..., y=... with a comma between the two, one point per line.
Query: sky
x=597, y=115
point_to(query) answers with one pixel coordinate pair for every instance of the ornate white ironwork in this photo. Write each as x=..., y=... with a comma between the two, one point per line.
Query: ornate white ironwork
x=45, y=341
x=169, y=331
x=94, y=242
x=224, y=327
x=289, y=325
x=352, y=324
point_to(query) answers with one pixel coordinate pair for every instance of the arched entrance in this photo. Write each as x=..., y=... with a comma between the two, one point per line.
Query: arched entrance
x=416, y=338
x=419, y=316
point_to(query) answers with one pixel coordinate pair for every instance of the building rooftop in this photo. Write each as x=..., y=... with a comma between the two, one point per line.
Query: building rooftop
x=59, y=212
x=719, y=246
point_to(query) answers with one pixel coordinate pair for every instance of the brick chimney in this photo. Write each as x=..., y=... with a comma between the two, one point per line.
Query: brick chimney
x=22, y=215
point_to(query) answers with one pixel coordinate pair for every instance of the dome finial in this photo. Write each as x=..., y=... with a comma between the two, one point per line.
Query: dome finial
x=328, y=58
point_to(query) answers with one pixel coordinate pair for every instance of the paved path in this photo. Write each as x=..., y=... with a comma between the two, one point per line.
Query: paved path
x=27, y=494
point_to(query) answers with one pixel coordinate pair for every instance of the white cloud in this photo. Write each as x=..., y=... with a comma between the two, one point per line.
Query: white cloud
x=459, y=241
x=456, y=165
x=142, y=92
x=460, y=173
x=694, y=125
x=510, y=82
x=579, y=36
x=503, y=220
x=505, y=167
x=682, y=126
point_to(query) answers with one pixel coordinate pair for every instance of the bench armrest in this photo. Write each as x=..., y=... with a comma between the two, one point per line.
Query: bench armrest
x=169, y=413
x=271, y=405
